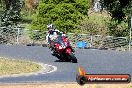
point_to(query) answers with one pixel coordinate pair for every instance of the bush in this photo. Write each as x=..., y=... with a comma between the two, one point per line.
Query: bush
x=64, y=14
x=94, y=24
x=118, y=29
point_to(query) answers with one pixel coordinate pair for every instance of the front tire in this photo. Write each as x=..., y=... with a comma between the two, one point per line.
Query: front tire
x=73, y=58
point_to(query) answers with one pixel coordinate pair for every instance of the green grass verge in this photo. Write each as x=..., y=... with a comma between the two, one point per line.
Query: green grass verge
x=11, y=66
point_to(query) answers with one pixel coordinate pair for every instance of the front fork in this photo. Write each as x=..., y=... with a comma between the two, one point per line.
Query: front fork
x=72, y=49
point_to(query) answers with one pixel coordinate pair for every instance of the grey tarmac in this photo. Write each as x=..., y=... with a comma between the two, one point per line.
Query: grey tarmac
x=92, y=60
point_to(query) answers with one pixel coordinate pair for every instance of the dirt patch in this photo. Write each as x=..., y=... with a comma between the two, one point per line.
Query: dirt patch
x=65, y=85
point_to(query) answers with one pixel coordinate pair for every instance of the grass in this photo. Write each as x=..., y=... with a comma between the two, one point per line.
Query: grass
x=9, y=66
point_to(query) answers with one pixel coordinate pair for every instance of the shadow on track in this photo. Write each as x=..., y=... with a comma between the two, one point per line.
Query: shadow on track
x=61, y=61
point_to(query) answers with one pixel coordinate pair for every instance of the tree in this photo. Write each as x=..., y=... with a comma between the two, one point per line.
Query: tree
x=64, y=14
x=9, y=18
x=7, y=4
x=30, y=5
x=11, y=13
x=117, y=8
x=118, y=29
x=120, y=11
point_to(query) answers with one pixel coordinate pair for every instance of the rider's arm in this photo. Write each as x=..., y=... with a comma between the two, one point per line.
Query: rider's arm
x=58, y=32
x=47, y=38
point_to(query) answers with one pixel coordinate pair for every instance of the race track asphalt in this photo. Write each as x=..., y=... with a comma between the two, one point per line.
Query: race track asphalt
x=92, y=60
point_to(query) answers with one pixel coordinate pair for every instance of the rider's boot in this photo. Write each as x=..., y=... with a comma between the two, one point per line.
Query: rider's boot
x=53, y=52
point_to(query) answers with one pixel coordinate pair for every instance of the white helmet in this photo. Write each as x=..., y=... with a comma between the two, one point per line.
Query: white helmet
x=50, y=26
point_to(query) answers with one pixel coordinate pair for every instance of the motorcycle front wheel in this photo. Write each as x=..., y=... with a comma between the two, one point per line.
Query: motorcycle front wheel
x=73, y=58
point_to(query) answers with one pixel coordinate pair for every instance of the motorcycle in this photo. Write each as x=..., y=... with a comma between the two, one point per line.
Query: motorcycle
x=63, y=50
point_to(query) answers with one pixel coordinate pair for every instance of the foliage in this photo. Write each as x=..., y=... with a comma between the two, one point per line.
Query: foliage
x=128, y=9
x=10, y=18
x=12, y=12
x=29, y=7
x=64, y=14
x=117, y=8
x=120, y=11
x=36, y=35
x=94, y=24
x=118, y=29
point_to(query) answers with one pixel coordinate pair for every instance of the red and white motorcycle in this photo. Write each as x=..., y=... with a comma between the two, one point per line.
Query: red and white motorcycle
x=63, y=49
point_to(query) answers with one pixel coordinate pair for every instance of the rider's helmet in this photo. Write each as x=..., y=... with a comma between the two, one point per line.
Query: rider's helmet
x=50, y=28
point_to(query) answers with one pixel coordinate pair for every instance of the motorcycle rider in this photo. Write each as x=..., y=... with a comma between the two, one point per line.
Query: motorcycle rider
x=52, y=34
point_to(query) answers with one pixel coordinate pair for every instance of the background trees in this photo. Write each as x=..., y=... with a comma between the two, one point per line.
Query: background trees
x=11, y=14
x=120, y=11
x=69, y=15
x=117, y=8
x=65, y=14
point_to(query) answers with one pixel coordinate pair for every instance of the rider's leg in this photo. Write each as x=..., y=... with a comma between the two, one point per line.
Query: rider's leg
x=52, y=49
